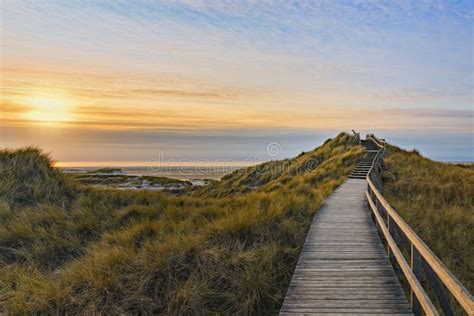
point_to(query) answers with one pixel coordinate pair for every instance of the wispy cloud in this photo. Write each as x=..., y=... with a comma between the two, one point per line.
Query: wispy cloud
x=295, y=47
x=155, y=65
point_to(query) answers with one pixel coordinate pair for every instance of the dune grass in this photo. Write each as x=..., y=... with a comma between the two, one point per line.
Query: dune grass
x=437, y=200
x=27, y=178
x=228, y=248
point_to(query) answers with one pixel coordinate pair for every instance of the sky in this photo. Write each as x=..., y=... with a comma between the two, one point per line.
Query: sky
x=130, y=81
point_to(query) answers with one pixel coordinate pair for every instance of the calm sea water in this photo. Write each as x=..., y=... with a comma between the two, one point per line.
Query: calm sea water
x=176, y=172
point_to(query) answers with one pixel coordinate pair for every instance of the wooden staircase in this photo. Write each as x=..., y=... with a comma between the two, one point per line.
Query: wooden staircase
x=344, y=267
x=363, y=168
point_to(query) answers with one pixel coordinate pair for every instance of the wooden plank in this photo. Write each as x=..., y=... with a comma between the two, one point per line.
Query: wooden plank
x=350, y=311
x=367, y=304
x=346, y=292
x=357, y=297
x=343, y=267
x=302, y=313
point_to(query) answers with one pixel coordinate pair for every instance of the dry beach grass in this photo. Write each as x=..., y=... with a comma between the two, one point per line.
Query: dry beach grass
x=230, y=247
x=437, y=200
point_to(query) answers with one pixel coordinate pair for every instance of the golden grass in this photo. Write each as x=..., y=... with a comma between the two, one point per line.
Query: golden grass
x=229, y=248
x=437, y=201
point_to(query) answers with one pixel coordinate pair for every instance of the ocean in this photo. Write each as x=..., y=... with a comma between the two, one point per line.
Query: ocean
x=176, y=172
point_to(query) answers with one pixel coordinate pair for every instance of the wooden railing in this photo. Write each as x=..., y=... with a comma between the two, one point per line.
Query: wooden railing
x=357, y=136
x=423, y=267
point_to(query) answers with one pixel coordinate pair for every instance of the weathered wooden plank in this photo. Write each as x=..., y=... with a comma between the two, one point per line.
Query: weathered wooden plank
x=343, y=286
x=341, y=274
x=343, y=267
x=302, y=313
x=298, y=297
x=346, y=292
x=308, y=279
x=351, y=310
x=357, y=297
x=367, y=304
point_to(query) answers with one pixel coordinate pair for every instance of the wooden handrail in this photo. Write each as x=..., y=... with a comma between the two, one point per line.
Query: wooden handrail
x=415, y=285
x=379, y=142
x=452, y=284
x=461, y=294
x=357, y=135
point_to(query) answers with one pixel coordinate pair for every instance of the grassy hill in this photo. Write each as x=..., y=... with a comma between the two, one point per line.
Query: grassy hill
x=230, y=247
x=27, y=178
x=437, y=200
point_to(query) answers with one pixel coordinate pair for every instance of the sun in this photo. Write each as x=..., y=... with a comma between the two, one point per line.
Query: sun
x=49, y=109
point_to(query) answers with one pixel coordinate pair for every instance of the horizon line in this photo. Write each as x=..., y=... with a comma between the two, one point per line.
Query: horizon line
x=183, y=163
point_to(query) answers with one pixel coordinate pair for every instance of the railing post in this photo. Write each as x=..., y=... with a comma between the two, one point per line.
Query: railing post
x=415, y=263
x=389, y=231
x=398, y=238
x=439, y=290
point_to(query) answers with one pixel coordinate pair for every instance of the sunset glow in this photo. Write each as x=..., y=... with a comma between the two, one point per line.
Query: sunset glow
x=49, y=110
x=98, y=70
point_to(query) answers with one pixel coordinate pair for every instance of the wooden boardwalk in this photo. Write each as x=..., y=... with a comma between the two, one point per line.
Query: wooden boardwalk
x=343, y=267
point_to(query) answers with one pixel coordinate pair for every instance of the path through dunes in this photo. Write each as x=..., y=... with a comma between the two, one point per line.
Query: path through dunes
x=343, y=267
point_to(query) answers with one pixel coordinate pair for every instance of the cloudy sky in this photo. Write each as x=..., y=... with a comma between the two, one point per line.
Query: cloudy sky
x=123, y=81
